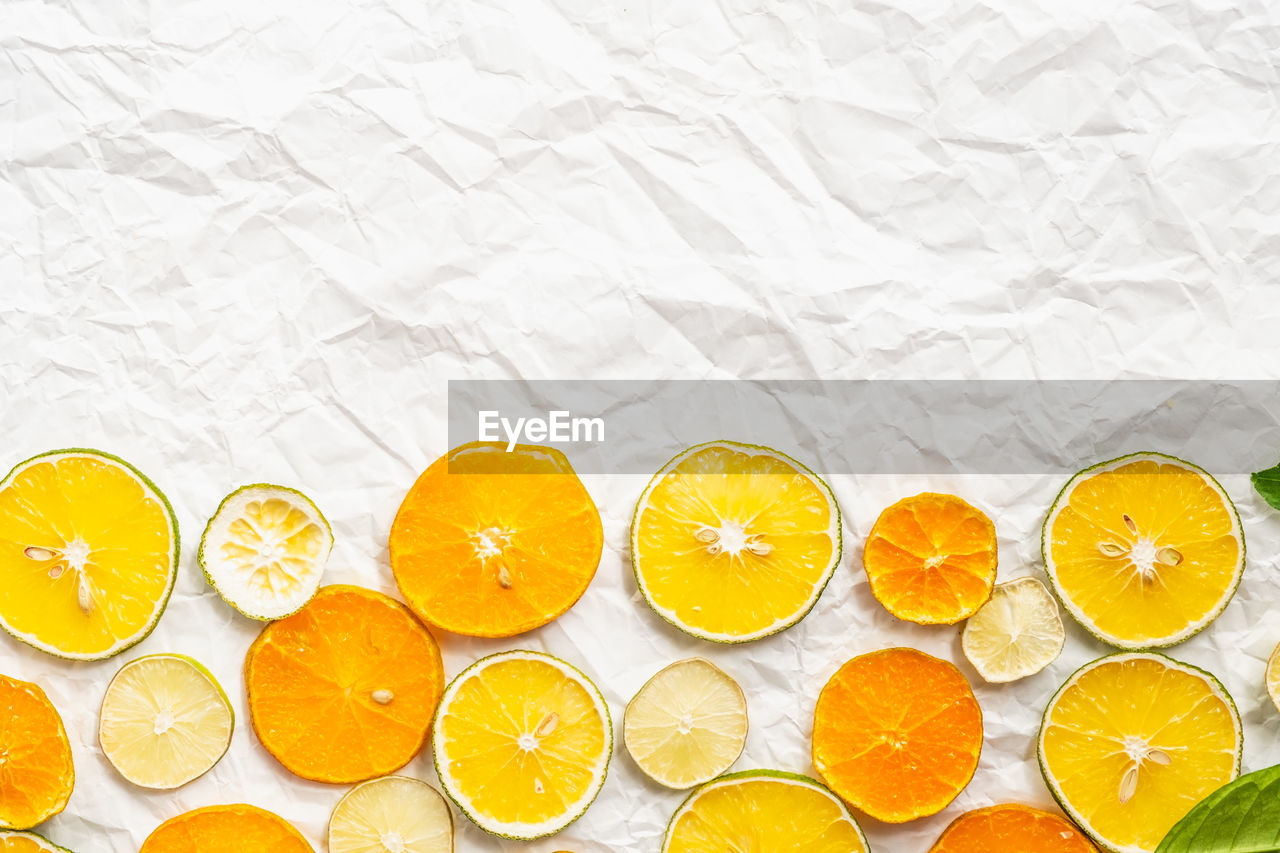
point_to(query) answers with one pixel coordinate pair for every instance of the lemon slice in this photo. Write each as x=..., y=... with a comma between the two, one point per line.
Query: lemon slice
x=265, y=549
x=394, y=814
x=88, y=554
x=1015, y=634
x=1144, y=550
x=733, y=542
x=1132, y=742
x=165, y=721
x=763, y=811
x=27, y=842
x=1273, y=677
x=522, y=744
x=687, y=725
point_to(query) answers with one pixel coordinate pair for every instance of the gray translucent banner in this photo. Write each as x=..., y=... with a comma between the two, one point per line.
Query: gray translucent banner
x=881, y=427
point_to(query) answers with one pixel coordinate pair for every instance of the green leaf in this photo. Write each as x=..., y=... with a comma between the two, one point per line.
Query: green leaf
x=1240, y=817
x=1268, y=485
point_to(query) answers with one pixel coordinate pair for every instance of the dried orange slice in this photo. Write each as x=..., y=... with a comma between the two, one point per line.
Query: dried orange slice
x=217, y=829
x=344, y=690
x=897, y=734
x=1011, y=828
x=931, y=559
x=491, y=543
x=36, y=774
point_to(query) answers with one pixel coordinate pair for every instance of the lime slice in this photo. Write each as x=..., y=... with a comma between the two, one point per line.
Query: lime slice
x=1273, y=677
x=764, y=811
x=732, y=542
x=1144, y=551
x=27, y=842
x=1132, y=742
x=88, y=554
x=522, y=744
x=265, y=549
x=394, y=814
x=1015, y=634
x=165, y=721
x=687, y=725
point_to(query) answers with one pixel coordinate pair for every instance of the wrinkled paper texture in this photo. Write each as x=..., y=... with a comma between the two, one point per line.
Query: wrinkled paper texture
x=247, y=241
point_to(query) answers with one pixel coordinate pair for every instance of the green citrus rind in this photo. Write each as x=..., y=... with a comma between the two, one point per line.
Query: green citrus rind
x=39, y=840
x=161, y=603
x=741, y=775
x=345, y=797
x=1080, y=617
x=456, y=798
x=1060, y=798
x=209, y=575
x=837, y=529
x=203, y=670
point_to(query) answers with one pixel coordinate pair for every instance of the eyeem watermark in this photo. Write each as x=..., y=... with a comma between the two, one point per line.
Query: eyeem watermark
x=558, y=427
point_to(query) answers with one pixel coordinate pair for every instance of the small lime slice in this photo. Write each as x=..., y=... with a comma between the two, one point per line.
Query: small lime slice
x=687, y=725
x=27, y=842
x=1015, y=634
x=165, y=721
x=394, y=813
x=265, y=549
x=1273, y=677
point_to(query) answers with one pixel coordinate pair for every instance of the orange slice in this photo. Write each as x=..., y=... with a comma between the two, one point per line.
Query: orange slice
x=1011, y=828
x=36, y=775
x=897, y=734
x=931, y=559
x=27, y=842
x=344, y=690
x=492, y=544
x=217, y=829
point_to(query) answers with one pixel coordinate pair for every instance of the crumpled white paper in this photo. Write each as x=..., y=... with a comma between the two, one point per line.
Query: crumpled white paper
x=250, y=241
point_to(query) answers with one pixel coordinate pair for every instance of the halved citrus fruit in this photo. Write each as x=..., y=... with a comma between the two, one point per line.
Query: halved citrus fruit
x=265, y=549
x=27, y=842
x=897, y=734
x=1015, y=634
x=1011, y=828
x=394, y=814
x=931, y=559
x=36, y=773
x=1132, y=742
x=733, y=542
x=763, y=811
x=1144, y=550
x=687, y=725
x=165, y=721
x=88, y=554
x=1273, y=677
x=492, y=544
x=217, y=829
x=522, y=744
x=344, y=689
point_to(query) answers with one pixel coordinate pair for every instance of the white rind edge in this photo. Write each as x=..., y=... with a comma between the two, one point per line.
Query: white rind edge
x=1214, y=685
x=520, y=830
x=169, y=521
x=833, y=530
x=1063, y=498
x=216, y=570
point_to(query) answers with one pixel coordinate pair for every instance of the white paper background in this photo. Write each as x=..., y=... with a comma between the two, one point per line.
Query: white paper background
x=248, y=241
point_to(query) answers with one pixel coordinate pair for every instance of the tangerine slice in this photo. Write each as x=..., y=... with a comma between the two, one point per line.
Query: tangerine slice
x=344, y=690
x=491, y=543
x=36, y=773
x=1011, y=828
x=217, y=829
x=931, y=559
x=897, y=733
